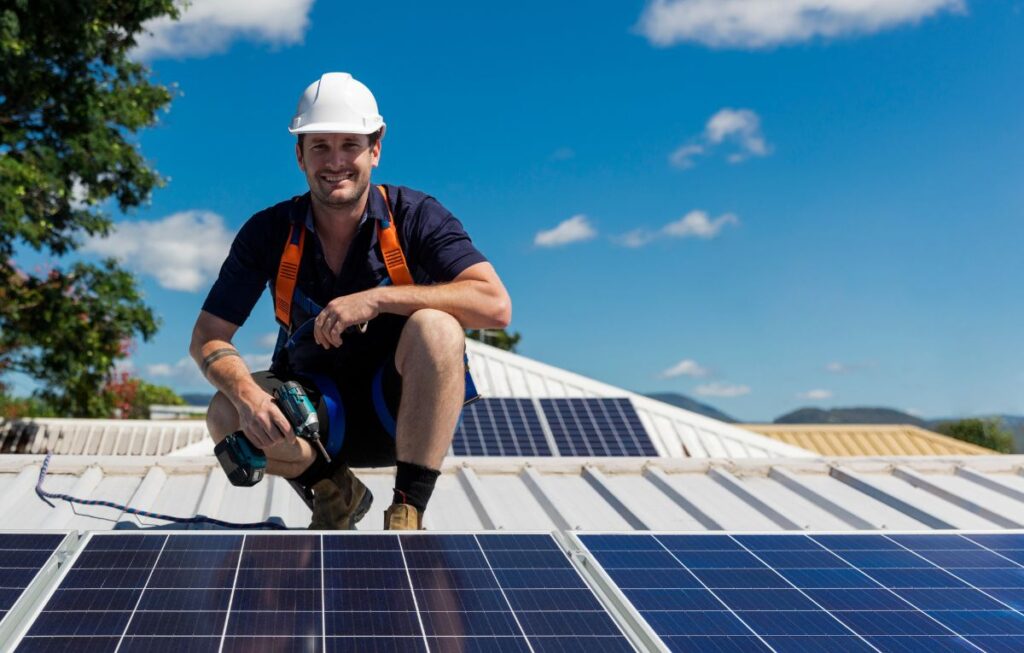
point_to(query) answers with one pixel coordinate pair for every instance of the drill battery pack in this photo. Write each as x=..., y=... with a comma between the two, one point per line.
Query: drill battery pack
x=243, y=463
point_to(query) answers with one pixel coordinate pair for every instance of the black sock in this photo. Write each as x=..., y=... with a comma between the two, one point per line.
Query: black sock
x=318, y=470
x=414, y=484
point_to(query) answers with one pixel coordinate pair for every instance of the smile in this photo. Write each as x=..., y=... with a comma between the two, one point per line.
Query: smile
x=334, y=179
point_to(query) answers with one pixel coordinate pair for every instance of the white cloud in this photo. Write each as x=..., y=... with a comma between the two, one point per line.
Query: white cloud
x=185, y=373
x=736, y=130
x=698, y=224
x=695, y=224
x=683, y=157
x=267, y=340
x=741, y=127
x=817, y=394
x=751, y=24
x=722, y=390
x=258, y=361
x=183, y=251
x=209, y=26
x=636, y=238
x=837, y=368
x=685, y=367
x=575, y=229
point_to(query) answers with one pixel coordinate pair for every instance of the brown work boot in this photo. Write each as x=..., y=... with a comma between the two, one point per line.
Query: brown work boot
x=402, y=517
x=339, y=501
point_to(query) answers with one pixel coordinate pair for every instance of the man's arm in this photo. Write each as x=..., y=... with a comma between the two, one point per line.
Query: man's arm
x=258, y=416
x=476, y=298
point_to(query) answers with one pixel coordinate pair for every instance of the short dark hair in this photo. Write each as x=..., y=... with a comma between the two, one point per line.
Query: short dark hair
x=373, y=138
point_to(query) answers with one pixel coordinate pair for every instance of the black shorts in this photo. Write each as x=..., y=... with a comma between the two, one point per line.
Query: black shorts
x=357, y=410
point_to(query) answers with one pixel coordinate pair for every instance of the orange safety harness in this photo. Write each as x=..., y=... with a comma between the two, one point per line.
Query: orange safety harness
x=285, y=294
x=291, y=258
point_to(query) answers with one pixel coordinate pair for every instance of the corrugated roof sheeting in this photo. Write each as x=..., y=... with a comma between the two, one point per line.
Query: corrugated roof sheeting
x=675, y=432
x=99, y=437
x=978, y=492
x=868, y=440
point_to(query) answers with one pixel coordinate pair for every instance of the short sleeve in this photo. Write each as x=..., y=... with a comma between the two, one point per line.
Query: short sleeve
x=245, y=272
x=440, y=244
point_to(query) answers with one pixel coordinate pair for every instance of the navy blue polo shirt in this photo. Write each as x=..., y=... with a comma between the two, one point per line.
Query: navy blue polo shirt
x=436, y=248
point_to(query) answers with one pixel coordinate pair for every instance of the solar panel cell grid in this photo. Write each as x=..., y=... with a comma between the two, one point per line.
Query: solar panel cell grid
x=332, y=592
x=500, y=427
x=840, y=592
x=22, y=556
x=597, y=427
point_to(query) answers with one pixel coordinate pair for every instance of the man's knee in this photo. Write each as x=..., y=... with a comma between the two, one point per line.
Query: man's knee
x=221, y=417
x=432, y=335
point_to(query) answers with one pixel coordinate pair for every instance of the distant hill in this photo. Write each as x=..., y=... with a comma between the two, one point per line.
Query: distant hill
x=197, y=398
x=692, y=405
x=860, y=415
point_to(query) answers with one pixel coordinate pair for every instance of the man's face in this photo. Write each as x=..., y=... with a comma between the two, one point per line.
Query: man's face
x=337, y=167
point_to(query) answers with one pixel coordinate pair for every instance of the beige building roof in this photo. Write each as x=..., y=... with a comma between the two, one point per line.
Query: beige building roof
x=868, y=440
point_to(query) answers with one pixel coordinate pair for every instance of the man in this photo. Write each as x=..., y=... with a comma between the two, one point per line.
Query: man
x=372, y=319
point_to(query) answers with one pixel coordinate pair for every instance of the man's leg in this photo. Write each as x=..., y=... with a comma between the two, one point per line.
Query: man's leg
x=284, y=459
x=339, y=499
x=429, y=359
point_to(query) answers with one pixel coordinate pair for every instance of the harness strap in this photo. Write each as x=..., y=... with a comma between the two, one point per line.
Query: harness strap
x=288, y=274
x=390, y=249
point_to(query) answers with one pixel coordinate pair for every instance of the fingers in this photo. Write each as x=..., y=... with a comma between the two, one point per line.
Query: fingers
x=268, y=426
x=258, y=435
x=327, y=330
x=283, y=428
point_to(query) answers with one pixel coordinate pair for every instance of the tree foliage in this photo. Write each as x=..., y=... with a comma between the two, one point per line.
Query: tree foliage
x=986, y=432
x=499, y=338
x=71, y=101
x=130, y=397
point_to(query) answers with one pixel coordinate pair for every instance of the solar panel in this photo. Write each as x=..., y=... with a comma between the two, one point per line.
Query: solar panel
x=22, y=557
x=500, y=427
x=850, y=592
x=597, y=427
x=311, y=592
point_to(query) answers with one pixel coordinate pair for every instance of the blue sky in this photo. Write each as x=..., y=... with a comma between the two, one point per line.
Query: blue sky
x=812, y=208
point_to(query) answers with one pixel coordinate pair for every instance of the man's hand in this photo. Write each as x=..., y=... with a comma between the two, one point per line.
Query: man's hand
x=263, y=422
x=343, y=312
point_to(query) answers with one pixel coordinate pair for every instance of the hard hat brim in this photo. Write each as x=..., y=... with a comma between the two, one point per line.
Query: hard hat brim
x=335, y=128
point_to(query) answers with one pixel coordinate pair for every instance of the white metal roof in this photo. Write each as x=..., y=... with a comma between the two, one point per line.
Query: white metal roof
x=675, y=432
x=102, y=437
x=970, y=492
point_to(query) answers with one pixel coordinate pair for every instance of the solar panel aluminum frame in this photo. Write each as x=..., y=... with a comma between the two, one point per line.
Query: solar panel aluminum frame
x=45, y=581
x=608, y=591
x=626, y=616
x=71, y=555
x=618, y=604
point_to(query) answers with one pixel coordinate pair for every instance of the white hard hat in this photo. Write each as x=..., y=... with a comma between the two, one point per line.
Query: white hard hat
x=337, y=103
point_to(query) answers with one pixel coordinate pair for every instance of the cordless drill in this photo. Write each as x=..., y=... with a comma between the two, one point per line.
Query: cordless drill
x=244, y=463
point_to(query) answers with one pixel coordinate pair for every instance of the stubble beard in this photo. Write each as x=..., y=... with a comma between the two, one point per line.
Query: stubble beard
x=340, y=203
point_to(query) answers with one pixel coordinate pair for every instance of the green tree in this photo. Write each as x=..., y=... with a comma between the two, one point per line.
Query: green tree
x=986, y=432
x=499, y=338
x=130, y=397
x=71, y=101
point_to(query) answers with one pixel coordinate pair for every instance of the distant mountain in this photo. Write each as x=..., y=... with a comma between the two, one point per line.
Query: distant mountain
x=197, y=398
x=692, y=405
x=860, y=415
